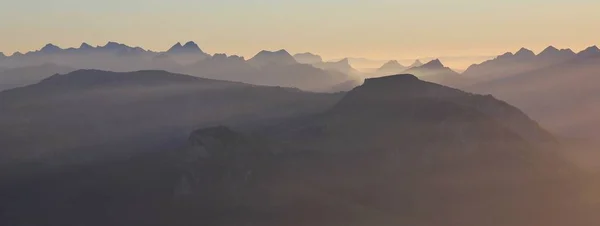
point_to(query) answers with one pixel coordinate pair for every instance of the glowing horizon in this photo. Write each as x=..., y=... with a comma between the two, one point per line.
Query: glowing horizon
x=379, y=29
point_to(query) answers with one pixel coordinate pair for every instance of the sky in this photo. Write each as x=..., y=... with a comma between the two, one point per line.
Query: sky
x=376, y=29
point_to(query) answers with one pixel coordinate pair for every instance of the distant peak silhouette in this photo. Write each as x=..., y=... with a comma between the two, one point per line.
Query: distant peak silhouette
x=50, y=48
x=417, y=63
x=506, y=55
x=176, y=46
x=591, y=51
x=114, y=46
x=2, y=55
x=434, y=64
x=552, y=51
x=84, y=46
x=189, y=47
x=308, y=58
x=344, y=61
x=280, y=57
x=524, y=52
x=281, y=52
x=392, y=65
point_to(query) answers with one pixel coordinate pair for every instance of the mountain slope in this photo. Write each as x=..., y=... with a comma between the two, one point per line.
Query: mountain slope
x=92, y=112
x=18, y=77
x=308, y=58
x=391, y=67
x=394, y=151
x=266, y=58
x=562, y=96
x=522, y=61
x=435, y=71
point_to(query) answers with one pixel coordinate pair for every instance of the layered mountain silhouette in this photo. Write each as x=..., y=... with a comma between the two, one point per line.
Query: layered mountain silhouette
x=561, y=95
x=435, y=71
x=189, y=47
x=417, y=63
x=394, y=151
x=99, y=112
x=276, y=68
x=522, y=61
x=342, y=66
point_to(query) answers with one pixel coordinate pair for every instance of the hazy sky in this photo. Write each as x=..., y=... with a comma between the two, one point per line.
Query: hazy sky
x=380, y=29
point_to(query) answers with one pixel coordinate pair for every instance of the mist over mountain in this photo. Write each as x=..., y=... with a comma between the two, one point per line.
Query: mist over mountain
x=342, y=66
x=308, y=58
x=18, y=77
x=276, y=68
x=435, y=71
x=395, y=150
x=391, y=67
x=270, y=58
x=100, y=112
x=417, y=63
x=522, y=61
x=121, y=135
x=562, y=95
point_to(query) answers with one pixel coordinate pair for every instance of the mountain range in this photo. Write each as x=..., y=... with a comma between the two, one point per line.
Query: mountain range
x=558, y=88
x=155, y=147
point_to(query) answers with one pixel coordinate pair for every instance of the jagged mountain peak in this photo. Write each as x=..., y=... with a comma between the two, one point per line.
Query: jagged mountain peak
x=592, y=51
x=434, y=64
x=392, y=65
x=50, y=48
x=84, y=46
x=553, y=51
x=189, y=47
x=417, y=63
x=524, y=52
